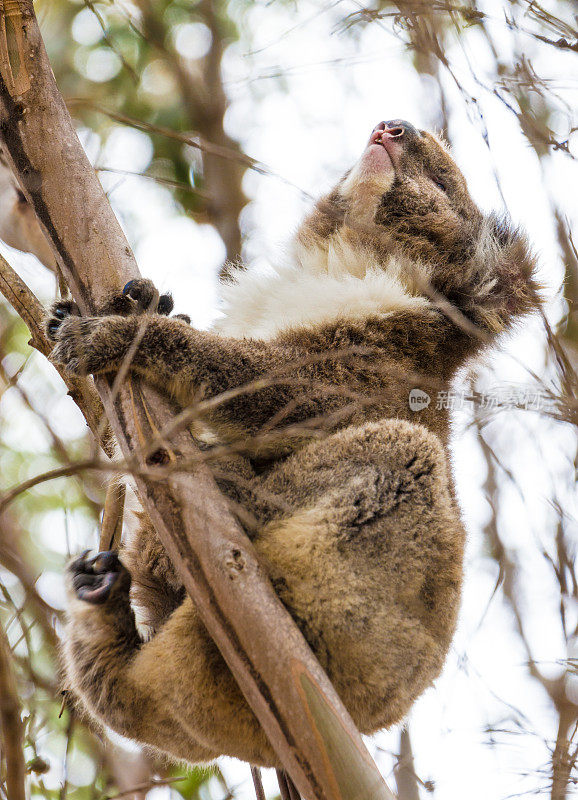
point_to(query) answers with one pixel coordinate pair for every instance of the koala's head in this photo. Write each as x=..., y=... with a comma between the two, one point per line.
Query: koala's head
x=407, y=189
x=405, y=192
x=405, y=202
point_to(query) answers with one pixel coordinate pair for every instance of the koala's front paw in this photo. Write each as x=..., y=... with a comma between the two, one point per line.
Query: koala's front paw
x=99, y=579
x=139, y=296
x=73, y=349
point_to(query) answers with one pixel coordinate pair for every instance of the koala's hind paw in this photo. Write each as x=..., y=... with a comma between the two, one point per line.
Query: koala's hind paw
x=99, y=579
x=57, y=314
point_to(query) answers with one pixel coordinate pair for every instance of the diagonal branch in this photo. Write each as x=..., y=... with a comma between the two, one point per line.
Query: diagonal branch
x=292, y=697
x=82, y=391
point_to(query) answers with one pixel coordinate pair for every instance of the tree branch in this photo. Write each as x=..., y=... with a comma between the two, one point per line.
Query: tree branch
x=304, y=719
x=18, y=225
x=555, y=688
x=82, y=390
x=11, y=725
x=405, y=777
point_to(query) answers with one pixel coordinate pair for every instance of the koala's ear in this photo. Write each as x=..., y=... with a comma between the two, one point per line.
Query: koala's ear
x=506, y=260
x=500, y=241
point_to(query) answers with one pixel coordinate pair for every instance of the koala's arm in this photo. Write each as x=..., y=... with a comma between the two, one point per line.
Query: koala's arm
x=184, y=362
x=304, y=373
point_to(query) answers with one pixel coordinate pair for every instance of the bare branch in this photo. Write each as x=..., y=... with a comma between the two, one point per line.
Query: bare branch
x=258, y=783
x=405, y=777
x=143, y=787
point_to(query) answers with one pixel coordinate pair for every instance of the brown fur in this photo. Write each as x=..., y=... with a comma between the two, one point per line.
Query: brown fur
x=359, y=530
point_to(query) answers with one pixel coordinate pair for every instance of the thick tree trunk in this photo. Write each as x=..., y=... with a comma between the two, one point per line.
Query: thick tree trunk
x=304, y=719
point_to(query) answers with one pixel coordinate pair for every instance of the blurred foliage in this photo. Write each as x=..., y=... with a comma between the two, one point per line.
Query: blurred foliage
x=102, y=53
x=158, y=64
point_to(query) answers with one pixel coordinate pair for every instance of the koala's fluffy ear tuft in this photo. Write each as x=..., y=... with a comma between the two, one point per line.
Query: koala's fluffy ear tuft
x=504, y=251
x=502, y=229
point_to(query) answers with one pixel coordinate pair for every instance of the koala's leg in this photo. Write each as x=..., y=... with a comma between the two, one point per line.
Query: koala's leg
x=370, y=561
x=100, y=648
x=156, y=589
x=173, y=693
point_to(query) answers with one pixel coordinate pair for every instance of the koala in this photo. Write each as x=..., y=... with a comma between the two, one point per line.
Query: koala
x=395, y=280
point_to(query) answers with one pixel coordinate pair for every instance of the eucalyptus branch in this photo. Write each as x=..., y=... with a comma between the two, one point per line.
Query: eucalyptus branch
x=82, y=390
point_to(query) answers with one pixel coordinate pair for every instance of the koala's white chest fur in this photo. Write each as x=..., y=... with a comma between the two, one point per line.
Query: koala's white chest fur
x=323, y=283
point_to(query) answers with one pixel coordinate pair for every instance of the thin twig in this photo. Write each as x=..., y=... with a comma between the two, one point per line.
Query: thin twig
x=143, y=787
x=258, y=783
x=283, y=788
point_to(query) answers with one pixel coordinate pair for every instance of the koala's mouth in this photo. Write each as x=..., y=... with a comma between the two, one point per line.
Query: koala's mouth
x=387, y=137
x=377, y=157
x=376, y=138
x=374, y=173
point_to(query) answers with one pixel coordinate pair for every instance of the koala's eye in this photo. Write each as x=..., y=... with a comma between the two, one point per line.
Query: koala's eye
x=439, y=183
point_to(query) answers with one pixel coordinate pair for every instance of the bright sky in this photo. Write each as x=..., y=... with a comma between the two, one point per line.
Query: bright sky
x=337, y=89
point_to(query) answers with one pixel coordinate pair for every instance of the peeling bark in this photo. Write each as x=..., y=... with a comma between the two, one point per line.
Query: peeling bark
x=19, y=227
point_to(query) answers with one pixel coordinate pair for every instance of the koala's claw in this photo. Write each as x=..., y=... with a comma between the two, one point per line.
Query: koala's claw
x=139, y=296
x=58, y=313
x=128, y=287
x=143, y=294
x=166, y=304
x=96, y=580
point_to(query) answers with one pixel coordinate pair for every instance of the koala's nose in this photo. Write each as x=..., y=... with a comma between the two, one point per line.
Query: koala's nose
x=397, y=129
